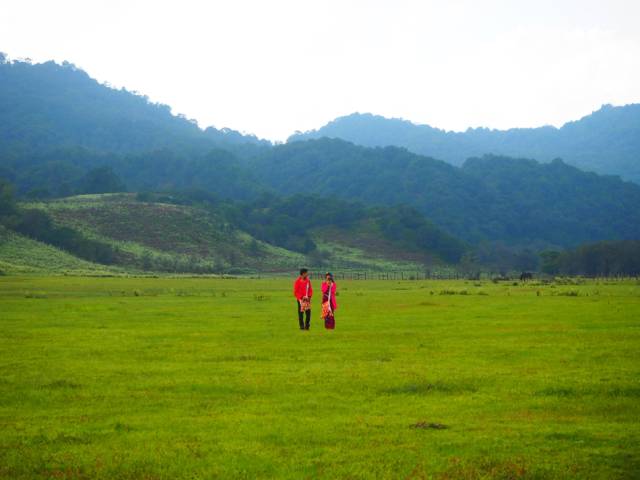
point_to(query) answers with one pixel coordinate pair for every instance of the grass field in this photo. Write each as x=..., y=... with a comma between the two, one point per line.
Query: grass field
x=170, y=378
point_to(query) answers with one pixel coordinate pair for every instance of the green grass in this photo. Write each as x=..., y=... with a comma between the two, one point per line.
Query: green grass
x=19, y=254
x=167, y=378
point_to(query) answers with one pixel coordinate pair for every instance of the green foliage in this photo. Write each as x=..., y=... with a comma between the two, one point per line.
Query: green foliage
x=62, y=133
x=48, y=105
x=607, y=141
x=501, y=258
x=151, y=236
x=550, y=262
x=518, y=202
x=198, y=232
x=7, y=201
x=101, y=180
x=407, y=227
x=37, y=224
x=292, y=222
x=57, y=124
x=602, y=259
x=62, y=172
x=20, y=254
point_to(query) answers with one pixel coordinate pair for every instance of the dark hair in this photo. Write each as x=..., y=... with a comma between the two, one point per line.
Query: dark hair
x=329, y=274
x=303, y=270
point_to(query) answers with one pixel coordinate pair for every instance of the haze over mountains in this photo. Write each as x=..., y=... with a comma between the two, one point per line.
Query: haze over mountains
x=62, y=133
x=606, y=142
x=49, y=105
x=81, y=112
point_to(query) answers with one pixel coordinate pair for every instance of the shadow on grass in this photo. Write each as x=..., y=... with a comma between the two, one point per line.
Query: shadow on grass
x=599, y=391
x=429, y=425
x=62, y=384
x=439, y=386
x=236, y=358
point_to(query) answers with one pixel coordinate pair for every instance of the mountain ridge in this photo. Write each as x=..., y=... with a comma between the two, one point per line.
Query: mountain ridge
x=490, y=198
x=607, y=141
x=50, y=105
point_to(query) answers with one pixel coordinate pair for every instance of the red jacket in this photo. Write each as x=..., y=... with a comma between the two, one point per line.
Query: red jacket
x=300, y=288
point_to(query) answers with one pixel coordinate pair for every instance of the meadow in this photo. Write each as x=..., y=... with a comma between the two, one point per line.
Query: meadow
x=199, y=378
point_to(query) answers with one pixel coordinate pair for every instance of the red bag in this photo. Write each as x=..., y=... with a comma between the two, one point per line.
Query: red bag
x=330, y=322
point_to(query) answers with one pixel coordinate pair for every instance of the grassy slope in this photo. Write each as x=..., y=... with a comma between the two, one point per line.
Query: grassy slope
x=164, y=231
x=19, y=254
x=346, y=256
x=198, y=378
x=364, y=244
x=185, y=233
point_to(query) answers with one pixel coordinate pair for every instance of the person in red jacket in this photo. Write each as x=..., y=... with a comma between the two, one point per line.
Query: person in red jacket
x=303, y=292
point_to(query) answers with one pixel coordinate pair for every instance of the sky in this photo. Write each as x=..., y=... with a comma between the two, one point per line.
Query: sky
x=273, y=67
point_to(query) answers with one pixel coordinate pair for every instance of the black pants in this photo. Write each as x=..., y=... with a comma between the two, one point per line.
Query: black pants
x=307, y=324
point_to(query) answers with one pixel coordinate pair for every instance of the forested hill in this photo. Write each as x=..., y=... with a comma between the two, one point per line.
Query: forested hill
x=48, y=105
x=607, y=141
x=516, y=201
x=63, y=134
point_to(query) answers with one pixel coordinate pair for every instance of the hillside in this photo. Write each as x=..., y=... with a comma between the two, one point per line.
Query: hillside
x=57, y=125
x=63, y=134
x=48, y=105
x=517, y=201
x=164, y=237
x=20, y=254
x=170, y=237
x=606, y=141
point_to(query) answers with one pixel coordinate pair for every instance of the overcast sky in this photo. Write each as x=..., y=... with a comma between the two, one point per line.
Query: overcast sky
x=273, y=67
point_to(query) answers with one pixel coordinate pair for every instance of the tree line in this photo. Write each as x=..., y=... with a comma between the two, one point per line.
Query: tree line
x=601, y=259
x=286, y=222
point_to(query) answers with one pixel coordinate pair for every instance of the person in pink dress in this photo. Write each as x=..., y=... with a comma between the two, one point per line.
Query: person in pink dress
x=329, y=304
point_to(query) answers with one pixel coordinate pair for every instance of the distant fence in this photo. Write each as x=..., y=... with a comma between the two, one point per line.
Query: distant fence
x=394, y=275
x=446, y=275
x=450, y=275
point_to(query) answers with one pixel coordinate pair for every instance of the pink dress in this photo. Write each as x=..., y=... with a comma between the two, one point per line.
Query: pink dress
x=329, y=305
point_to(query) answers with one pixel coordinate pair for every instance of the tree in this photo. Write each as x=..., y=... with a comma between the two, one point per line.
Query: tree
x=7, y=201
x=101, y=180
x=254, y=248
x=526, y=260
x=610, y=258
x=318, y=258
x=550, y=262
x=469, y=264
